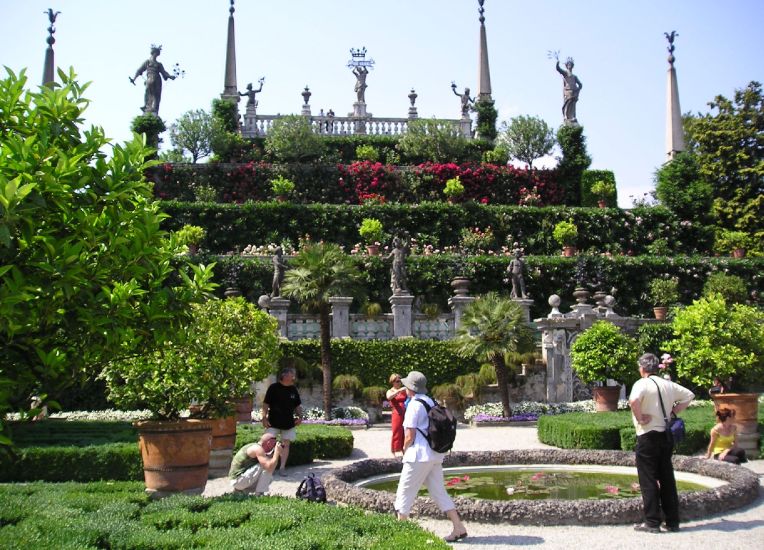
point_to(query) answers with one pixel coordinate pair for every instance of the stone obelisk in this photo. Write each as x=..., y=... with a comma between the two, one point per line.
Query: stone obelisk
x=230, y=88
x=484, y=73
x=674, y=129
x=49, y=68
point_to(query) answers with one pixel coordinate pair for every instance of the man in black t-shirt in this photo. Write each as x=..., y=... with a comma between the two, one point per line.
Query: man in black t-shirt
x=282, y=411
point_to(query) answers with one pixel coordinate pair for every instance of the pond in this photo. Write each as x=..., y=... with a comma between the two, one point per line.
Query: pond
x=536, y=484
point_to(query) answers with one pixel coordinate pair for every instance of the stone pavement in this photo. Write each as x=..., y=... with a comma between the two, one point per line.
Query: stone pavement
x=741, y=528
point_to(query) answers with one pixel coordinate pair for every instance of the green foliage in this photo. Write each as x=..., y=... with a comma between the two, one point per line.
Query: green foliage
x=499, y=155
x=367, y=152
x=374, y=395
x=727, y=143
x=603, y=352
x=226, y=112
x=486, y=119
x=730, y=287
x=450, y=395
x=713, y=338
x=371, y=230
x=727, y=241
x=663, y=292
x=574, y=162
x=282, y=186
x=228, y=344
x=652, y=338
x=565, y=233
x=87, y=274
x=149, y=125
x=433, y=140
x=527, y=138
x=119, y=515
x=313, y=441
x=453, y=188
x=679, y=186
x=347, y=383
x=590, y=196
x=291, y=139
x=191, y=234
x=195, y=131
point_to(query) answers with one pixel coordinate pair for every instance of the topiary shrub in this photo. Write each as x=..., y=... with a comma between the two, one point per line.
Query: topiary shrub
x=604, y=352
x=730, y=287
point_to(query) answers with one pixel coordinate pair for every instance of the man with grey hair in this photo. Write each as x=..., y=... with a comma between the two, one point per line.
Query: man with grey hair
x=282, y=411
x=654, y=446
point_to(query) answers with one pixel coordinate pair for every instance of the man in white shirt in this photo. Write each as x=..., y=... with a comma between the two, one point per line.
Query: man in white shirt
x=654, y=448
x=421, y=464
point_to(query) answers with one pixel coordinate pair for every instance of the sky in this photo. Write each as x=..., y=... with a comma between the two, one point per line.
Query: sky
x=618, y=46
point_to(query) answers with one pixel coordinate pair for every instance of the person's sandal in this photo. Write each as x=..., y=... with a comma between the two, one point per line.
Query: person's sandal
x=455, y=538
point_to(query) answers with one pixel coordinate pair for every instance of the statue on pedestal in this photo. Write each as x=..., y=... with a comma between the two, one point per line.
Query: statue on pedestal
x=360, y=83
x=251, y=93
x=154, y=73
x=515, y=270
x=398, y=274
x=466, y=99
x=360, y=66
x=279, y=268
x=571, y=88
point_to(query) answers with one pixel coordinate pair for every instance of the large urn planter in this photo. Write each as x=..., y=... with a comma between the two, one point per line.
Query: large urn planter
x=244, y=407
x=746, y=407
x=606, y=398
x=223, y=440
x=461, y=286
x=175, y=454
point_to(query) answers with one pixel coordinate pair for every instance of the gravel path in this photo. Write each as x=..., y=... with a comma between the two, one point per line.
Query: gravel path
x=742, y=528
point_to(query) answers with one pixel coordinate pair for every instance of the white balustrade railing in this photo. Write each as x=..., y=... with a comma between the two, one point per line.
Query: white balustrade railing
x=367, y=328
x=427, y=328
x=303, y=326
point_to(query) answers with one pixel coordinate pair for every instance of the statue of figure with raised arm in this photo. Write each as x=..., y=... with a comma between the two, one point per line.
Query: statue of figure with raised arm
x=251, y=93
x=571, y=88
x=398, y=274
x=360, y=73
x=279, y=267
x=466, y=99
x=154, y=73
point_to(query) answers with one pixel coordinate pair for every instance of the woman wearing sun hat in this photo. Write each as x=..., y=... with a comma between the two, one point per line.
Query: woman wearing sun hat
x=421, y=464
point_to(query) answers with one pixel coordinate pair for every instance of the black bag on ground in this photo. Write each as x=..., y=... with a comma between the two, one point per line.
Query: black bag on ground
x=311, y=489
x=441, y=431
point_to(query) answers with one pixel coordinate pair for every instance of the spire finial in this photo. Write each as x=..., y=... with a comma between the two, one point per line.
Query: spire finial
x=670, y=37
x=231, y=9
x=481, y=11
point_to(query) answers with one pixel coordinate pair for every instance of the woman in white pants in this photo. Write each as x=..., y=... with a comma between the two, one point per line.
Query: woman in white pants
x=422, y=465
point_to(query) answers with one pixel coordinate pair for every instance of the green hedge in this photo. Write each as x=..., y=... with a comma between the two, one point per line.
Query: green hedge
x=232, y=227
x=374, y=360
x=56, y=450
x=120, y=516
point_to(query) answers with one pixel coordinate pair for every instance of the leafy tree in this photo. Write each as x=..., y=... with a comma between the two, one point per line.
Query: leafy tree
x=433, y=139
x=226, y=113
x=526, y=139
x=573, y=163
x=86, y=273
x=292, y=139
x=486, y=119
x=493, y=326
x=195, y=131
x=679, y=187
x=151, y=126
x=729, y=146
x=318, y=272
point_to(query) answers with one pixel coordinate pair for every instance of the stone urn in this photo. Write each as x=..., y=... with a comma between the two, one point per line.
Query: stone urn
x=461, y=286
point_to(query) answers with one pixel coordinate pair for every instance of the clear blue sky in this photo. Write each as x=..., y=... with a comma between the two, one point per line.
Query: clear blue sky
x=618, y=46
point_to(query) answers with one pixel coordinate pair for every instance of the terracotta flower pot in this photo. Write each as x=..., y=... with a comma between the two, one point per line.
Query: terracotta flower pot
x=176, y=455
x=223, y=439
x=568, y=251
x=739, y=253
x=606, y=398
x=602, y=204
x=244, y=407
x=660, y=312
x=372, y=250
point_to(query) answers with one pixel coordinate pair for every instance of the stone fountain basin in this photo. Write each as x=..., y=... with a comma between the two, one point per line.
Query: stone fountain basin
x=731, y=487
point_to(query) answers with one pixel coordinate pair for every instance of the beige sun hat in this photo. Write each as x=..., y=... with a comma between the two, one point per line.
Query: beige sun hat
x=415, y=381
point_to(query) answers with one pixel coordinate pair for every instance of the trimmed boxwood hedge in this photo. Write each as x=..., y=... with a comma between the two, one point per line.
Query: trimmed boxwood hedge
x=118, y=515
x=56, y=450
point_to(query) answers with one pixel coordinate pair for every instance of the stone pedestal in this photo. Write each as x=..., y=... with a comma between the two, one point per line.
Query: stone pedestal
x=524, y=303
x=250, y=119
x=340, y=316
x=359, y=110
x=402, y=319
x=278, y=308
x=465, y=127
x=458, y=305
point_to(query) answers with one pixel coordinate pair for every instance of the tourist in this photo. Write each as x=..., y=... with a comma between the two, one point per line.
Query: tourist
x=282, y=411
x=723, y=445
x=253, y=465
x=422, y=465
x=154, y=73
x=718, y=387
x=654, y=446
x=396, y=396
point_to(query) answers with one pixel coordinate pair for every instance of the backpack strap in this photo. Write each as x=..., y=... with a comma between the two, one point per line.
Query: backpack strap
x=660, y=398
x=427, y=408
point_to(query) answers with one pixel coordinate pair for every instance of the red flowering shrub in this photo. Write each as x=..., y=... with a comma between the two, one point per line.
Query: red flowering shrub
x=243, y=182
x=361, y=179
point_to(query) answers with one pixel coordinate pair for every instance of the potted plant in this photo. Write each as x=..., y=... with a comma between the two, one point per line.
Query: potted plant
x=601, y=353
x=735, y=243
x=373, y=397
x=372, y=233
x=214, y=359
x=604, y=190
x=463, y=273
x=566, y=233
x=712, y=338
x=347, y=384
x=663, y=293
x=453, y=189
x=450, y=396
x=372, y=310
x=282, y=188
x=191, y=236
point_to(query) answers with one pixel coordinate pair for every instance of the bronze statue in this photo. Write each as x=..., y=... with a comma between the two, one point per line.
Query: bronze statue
x=154, y=73
x=279, y=267
x=398, y=274
x=251, y=93
x=571, y=88
x=360, y=73
x=515, y=270
x=466, y=99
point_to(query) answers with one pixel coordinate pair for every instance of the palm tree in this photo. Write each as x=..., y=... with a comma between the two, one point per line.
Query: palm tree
x=493, y=326
x=318, y=272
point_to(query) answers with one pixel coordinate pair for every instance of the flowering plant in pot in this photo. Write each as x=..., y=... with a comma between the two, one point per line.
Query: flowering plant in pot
x=732, y=242
x=190, y=236
x=282, y=187
x=227, y=345
x=603, y=352
x=663, y=293
x=372, y=233
x=604, y=190
x=453, y=189
x=566, y=233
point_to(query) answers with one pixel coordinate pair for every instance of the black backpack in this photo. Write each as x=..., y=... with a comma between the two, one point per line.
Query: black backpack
x=311, y=489
x=441, y=431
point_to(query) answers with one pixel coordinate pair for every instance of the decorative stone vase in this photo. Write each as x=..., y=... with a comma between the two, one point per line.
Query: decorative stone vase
x=581, y=295
x=606, y=398
x=461, y=286
x=660, y=312
x=176, y=455
x=739, y=253
x=568, y=251
x=746, y=407
x=372, y=249
x=232, y=292
x=223, y=439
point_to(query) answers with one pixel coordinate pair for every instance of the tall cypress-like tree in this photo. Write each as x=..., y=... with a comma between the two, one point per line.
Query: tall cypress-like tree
x=574, y=161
